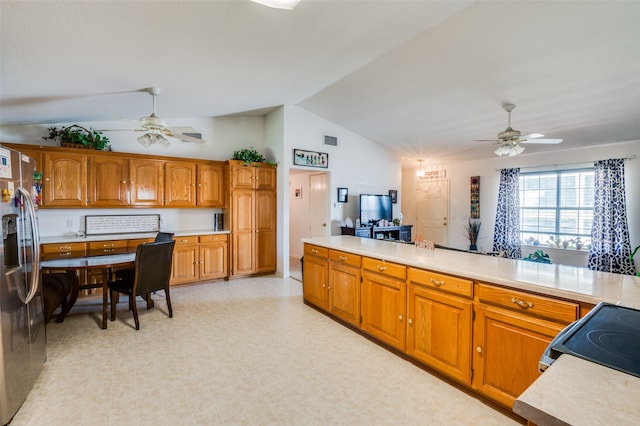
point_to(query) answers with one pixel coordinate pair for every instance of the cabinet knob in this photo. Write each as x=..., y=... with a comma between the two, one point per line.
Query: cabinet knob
x=314, y=250
x=342, y=258
x=381, y=268
x=410, y=321
x=479, y=349
x=400, y=317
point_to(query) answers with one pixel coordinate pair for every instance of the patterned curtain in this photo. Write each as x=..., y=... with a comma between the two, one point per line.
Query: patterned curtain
x=506, y=234
x=610, y=243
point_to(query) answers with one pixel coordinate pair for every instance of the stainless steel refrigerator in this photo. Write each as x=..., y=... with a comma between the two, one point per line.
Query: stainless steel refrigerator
x=22, y=337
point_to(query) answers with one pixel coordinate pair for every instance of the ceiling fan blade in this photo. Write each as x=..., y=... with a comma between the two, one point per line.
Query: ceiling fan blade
x=532, y=136
x=486, y=140
x=543, y=141
x=183, y=137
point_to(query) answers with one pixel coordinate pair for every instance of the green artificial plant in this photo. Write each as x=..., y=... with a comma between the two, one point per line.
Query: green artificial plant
x=78, y=135
x=248, y=155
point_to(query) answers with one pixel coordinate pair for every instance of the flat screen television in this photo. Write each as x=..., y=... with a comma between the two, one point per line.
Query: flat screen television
x=374, y=208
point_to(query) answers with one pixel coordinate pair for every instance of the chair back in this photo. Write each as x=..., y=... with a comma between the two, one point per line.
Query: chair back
x=164, y=236
x=153, y=267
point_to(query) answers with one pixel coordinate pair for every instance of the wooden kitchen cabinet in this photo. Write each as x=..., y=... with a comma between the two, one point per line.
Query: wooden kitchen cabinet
x=213, y=256
x=146, y=183
x=511, y=331
x=180, y=184
x=108, y=181
x=185, y=260
x=265, y=230
x=252, y=176
x=439, y=322
x=315, y=276
x=197, y=258
x=62, y=250
x=210, y=185
x=344, y=286
x=253, y=218
x=384, y=301
x=64, y=180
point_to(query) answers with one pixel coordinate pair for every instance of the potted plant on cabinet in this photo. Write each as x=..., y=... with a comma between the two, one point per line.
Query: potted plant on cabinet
x=76, y=136
x=248, y=155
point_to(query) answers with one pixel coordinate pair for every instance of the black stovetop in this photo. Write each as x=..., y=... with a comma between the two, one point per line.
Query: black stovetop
x=608, y=335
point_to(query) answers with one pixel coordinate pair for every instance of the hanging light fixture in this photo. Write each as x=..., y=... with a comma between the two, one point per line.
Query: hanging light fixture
x=152, y=137
x=509, y=149
x=420, y=172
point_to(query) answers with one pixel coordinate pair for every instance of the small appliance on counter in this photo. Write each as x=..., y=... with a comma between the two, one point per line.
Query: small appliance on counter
x=218, y=221
x=609, y=335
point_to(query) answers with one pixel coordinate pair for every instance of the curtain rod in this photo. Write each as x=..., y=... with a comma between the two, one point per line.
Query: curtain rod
x=584, y=163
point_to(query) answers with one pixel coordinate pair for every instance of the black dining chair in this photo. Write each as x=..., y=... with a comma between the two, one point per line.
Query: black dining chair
x=128, y=272
x=151, y=272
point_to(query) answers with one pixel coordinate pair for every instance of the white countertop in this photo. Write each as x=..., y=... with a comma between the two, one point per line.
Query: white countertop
x=73, y=238
x=569, y=282
x=578, y=392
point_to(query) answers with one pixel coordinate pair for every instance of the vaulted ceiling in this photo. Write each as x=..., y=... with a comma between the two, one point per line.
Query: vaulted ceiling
x=424, y=78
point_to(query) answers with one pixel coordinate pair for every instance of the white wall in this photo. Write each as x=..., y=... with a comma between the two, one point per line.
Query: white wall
x=488, y=170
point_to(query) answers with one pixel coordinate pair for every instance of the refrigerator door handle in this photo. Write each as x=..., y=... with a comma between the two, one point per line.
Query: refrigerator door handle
x=35, y=243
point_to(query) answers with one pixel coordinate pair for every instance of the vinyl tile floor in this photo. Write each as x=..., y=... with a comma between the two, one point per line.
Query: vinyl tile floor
x=239, y=352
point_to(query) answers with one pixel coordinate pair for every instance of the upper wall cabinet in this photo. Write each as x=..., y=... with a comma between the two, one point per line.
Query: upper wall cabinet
x=180, y=184
x=252, y=176
x=65, y=180
x=74, y=178
x=210, y=185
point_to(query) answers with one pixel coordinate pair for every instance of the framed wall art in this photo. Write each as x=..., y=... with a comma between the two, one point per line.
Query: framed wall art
x=394, y=196
x=475, y=197
x=343, y=195
x=310, y=158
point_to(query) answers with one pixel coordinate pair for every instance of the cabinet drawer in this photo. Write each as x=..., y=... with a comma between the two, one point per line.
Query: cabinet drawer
x=107, y=247
x=540, y=306
x=312, y=250
x=216, y=238
x=386, y=268
x=191, y=239
x=345, y=258
x=62, y=250
x=442, y=282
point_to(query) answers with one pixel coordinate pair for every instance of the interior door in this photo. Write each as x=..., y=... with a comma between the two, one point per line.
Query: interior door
x=318, y=205
x=433, y=211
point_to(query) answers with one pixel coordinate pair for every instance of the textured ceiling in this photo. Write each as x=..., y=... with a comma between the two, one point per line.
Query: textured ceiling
x=425, y=78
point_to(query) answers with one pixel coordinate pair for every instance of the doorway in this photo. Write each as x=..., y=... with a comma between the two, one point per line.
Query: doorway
x=309, y=213
x=433, y=210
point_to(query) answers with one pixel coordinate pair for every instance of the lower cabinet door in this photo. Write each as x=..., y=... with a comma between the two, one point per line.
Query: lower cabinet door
x=185, y=264
x=384, y=306
x=315, y=281
x=213, y=261
x=344, y=293
x=439, y=330
x=508, y=347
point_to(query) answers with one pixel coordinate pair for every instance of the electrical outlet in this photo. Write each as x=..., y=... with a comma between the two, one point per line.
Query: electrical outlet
x=69, y=223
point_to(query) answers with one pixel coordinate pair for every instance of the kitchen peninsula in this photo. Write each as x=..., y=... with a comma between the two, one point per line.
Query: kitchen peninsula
x=481, y=321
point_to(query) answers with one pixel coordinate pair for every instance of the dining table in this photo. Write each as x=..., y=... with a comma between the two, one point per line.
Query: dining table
x=105, y=263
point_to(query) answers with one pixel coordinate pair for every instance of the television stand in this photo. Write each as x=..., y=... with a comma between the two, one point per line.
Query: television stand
x=400, y=233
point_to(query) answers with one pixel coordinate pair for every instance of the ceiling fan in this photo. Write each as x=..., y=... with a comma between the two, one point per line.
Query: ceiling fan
x=509, y=140
x=156, y=129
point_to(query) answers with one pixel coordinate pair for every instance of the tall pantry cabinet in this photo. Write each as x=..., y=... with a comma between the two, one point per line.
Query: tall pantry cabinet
x=253, y=217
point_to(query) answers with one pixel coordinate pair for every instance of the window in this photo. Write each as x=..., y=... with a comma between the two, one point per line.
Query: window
x=556, y=208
